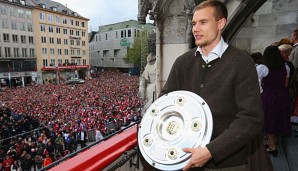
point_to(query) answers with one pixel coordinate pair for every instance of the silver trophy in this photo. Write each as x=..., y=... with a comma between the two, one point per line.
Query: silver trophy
x=174, y=121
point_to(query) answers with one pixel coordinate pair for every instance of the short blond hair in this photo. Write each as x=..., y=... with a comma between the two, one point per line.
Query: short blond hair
x=285, y=48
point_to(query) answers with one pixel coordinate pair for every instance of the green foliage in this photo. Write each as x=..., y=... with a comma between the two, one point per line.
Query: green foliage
x=138, y=52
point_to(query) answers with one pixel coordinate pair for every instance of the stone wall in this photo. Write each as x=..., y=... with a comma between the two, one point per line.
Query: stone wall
x=276, y=19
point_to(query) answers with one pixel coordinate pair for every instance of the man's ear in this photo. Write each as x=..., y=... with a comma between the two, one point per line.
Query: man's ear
x=222, y=23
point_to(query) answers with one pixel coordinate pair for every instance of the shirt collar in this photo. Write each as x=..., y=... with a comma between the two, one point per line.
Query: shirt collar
x=219, y=49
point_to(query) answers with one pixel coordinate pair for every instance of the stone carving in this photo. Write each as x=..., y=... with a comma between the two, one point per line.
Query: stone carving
x=147, y=82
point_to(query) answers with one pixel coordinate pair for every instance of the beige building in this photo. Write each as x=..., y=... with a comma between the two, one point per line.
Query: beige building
x=61, y=42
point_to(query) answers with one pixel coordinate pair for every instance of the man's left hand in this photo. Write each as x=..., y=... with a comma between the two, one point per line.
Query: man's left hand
x=200, y=156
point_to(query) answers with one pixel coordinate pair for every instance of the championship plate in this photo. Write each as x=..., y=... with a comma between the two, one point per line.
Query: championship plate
x=174, y=121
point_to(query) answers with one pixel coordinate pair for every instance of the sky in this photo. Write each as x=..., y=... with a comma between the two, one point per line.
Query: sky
x=103, y=12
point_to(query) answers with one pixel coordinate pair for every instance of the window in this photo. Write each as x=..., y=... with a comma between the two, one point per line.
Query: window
x=65, y=51
x=106, y=36
x=5, y=37
x=83, y=24
x=52, y=62
x=77, y=33
x=78, y=42
x=116, y=34
x=13, y=12
x=72, y=52
x=21, y=13
x=22, y=26
x=105, y=53
x=29, y=15
x=78, y=52
x=59, y=61
x=71, y=32
x=83, y=43
x=129, y=33
x=16, y=53
x=51, y=40
x=51, y=29
x=5, y=23
x=32, y=52
x=30, y=27
x=41, y=16
x=57, y=19
x=84, y=62
x=13, y=25
x=65, y=41
x=77, y=23
x=31, y=40
x=45, y=62
x=83, y=34
x=52, y=51
x=2, y=9
x=24, y=52
x=23, y=39
x=58, y=30
x=66, y=61
x=59, y=51
x=73, y=61
x=84, y=52
x=15, y=38
x=42, y=27
x=79, y=62
x=7, y=52
x=64, y=20
x=71, y=42
x=59, y=41
x=71, y=22
x=50, y=18
x=64, y=31
x=44, y=51
x=43, y=39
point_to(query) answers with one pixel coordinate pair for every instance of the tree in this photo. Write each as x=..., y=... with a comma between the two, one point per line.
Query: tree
x=137, y=54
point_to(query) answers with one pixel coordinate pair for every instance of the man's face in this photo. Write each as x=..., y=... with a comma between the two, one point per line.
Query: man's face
x=205, y=28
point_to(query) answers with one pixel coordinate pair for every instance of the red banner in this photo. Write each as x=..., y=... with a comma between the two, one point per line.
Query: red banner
x=53, y=68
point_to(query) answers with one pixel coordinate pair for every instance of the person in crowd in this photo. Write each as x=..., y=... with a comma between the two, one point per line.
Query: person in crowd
x=38, y=161
x=47, y=161
x=285, y=50
x=262, y=70
x=276, y=102
x=26, y=163
x=7, y=163
x=231, y=91
x=16, y=166
x=98, y=135
x=294, y=54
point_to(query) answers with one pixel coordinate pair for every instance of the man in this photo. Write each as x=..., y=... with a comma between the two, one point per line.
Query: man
x=294, y=54
x=226, y=78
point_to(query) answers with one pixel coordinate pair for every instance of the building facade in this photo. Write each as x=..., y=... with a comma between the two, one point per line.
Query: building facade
x=41, y=41
x=109, y=45
x=61, y=42
x=17, y=43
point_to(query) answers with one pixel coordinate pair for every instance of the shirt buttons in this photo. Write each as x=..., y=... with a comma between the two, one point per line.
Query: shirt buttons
x=202, y=85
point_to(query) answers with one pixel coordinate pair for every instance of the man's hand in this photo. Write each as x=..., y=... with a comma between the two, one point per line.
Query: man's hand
x=200, y=156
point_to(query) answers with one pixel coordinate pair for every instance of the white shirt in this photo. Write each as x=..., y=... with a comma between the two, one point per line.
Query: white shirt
x=217, y=52
x=262, y=71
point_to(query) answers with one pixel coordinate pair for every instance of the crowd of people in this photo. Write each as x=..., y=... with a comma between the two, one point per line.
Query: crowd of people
x=277, y=72
x=62, y=116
